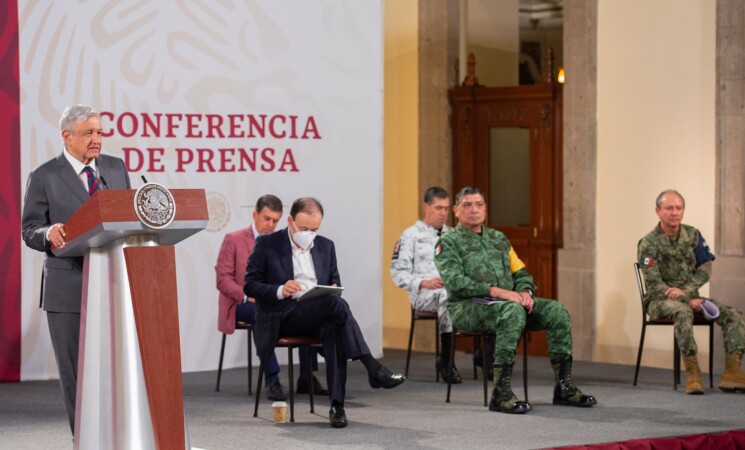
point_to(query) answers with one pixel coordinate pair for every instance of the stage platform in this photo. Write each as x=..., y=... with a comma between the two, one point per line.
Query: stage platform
x=414, y=415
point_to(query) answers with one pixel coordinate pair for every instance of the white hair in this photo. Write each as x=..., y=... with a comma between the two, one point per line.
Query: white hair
x=76, y=113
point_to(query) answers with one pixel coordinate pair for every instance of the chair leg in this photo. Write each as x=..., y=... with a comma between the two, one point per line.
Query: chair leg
x=450, y=364
x=258, y=387
x=525, y=364
x=250, y=362
x=711, y=355
x=676, y=363
x=483, y=367
x=477, y=344
x=291, y=387
x=411, y=339
x=310, y=380
x=639, y=354
x=437, y=347
x=219, y=365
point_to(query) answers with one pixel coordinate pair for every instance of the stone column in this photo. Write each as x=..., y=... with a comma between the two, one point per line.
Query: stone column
x=728, y=277
x=576, y=260
x=438, y=58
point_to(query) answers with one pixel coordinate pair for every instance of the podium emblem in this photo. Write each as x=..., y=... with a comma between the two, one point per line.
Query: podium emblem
x=154, y=205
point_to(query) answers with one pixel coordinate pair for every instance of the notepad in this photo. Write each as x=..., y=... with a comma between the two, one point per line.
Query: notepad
x=320, y=290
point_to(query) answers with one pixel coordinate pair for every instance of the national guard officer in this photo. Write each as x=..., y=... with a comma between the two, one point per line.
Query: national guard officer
x=413, y=268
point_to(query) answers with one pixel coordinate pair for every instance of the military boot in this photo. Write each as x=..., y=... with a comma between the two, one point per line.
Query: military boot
x=502, y=397
x=693, y=376
x=565, y=392
x=733, y=378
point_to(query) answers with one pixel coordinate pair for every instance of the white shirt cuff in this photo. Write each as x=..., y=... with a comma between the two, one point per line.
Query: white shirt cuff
x=279, y=293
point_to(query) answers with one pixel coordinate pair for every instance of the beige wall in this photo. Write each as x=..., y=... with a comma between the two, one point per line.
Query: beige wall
x=401, y=150
x=494, y=38
x=655, y=116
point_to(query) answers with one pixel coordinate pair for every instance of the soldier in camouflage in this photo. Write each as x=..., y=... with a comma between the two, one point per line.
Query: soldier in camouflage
x=676, y=262
x=413, y=268
x=479, y=266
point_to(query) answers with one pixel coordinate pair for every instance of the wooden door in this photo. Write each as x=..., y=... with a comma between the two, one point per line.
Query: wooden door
x=507, y=142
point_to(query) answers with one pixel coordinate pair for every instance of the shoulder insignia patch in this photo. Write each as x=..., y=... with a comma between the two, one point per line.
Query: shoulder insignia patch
x=396, y=250
x=647, y=262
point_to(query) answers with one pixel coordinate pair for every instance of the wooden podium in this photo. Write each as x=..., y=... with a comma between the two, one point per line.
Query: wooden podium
x=129, y=388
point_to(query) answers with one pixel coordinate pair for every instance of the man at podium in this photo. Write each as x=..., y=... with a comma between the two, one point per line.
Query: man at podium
x=54, y=192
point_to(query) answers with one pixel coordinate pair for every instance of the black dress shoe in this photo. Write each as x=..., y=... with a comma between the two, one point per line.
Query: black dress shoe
x=442, y=367
x=275, y=391
x=385, y=379
x=337, y=417
x=304, y=388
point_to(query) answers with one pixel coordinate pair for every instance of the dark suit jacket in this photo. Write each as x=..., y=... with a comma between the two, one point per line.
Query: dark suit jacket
x=54, y=193
x=269, y=267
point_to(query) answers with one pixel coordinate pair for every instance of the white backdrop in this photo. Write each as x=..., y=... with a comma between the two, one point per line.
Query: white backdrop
x=319, y=61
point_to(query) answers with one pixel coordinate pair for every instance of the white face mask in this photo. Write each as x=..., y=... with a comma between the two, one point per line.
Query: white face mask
x=303, y=239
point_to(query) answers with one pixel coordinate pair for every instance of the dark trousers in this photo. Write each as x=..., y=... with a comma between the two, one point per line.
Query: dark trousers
x=64, y=329
x=326, y=319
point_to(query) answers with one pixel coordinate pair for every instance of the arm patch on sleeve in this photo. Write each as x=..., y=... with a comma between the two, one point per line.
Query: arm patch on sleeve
x=396, y=250
x=702, y=252
x=515, y=262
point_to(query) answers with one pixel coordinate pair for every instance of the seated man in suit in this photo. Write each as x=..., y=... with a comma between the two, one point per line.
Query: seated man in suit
x=235, y=306
x=284, y=265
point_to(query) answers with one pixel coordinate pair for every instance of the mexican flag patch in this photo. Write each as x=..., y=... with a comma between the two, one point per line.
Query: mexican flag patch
x=647, y=262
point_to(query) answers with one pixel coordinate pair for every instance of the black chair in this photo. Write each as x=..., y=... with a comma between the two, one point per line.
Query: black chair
x=291, y=343
x=698, y=319
x=423, y=315
x=479, y=341
x=238, y=326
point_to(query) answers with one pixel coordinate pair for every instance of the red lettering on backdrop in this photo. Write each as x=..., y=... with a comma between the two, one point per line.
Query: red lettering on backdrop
x=110, y=117
x=273, y=130
x=130, y=153
x=253, y=124
x=288, y=160
x=155, y=163
x=154, y=125
x=192, y=126
x=120, y=124
x=205, y=159
x=310, y=127
x=226, y=159
x=173, y=124
x=248, y=159
x=235, y=125
x=268, y=156
x=214, y=125
x=183, y=156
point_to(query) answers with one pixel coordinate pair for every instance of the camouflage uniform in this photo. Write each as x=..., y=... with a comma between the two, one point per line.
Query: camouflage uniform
x=684, y=263
x=470, y=263
x=413, y=262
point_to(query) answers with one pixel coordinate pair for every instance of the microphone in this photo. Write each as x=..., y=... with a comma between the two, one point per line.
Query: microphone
x=103, y=181
x=143, y=178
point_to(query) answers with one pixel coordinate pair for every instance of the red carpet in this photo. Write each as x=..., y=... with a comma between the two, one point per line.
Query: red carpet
x=720, y=441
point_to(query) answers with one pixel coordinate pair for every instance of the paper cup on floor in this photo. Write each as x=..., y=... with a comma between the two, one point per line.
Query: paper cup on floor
x=280, y=412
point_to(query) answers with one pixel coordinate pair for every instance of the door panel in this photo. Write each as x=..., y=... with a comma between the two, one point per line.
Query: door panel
x=507, y=141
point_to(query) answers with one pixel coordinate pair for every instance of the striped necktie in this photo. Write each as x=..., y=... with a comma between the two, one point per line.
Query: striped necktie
x=93, y=184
